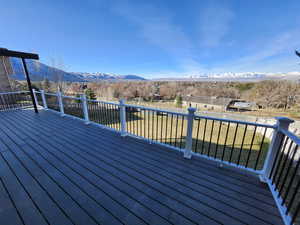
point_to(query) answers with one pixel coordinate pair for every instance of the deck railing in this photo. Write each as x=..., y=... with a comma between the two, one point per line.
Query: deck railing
x=244, y=144
x=270, y=151
x=104, y=113
x=232, y=142
x=15, y=100
x=283, y=176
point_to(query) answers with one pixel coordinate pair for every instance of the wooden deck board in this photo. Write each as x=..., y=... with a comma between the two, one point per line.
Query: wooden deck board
x=72, y=173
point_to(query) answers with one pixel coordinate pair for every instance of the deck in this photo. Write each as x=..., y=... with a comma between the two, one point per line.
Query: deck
x=59, y=171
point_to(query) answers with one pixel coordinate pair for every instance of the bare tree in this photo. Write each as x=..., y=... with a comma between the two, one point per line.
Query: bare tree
x=57, y=72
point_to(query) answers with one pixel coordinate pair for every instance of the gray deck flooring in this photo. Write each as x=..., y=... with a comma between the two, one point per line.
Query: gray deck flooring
x=57, y=170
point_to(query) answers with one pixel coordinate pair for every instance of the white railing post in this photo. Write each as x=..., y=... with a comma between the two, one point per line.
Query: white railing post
x=34, y=96
x=123, y=118
x=85, y=109
x=44, y=99
x=274, y=147
x=60, y=103
x=189, y=135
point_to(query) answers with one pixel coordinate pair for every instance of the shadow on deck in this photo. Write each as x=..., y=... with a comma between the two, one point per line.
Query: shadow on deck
x=57, y=170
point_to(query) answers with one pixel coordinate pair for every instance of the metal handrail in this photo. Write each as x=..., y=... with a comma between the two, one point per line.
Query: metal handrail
x=51, y=94
x=292, y=136
x=71, y=97
x=111, y=103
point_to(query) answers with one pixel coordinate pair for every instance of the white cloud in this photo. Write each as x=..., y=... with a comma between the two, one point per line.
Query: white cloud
x=214, y=24
x=273, y=54
x=270, y=54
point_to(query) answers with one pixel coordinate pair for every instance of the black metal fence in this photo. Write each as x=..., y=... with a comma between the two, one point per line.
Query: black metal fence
x=15, y=100
x=107, y=114
x=52, y=101
x=285, y=175
x=239, y=143
x=157, y=125
x=73, y=106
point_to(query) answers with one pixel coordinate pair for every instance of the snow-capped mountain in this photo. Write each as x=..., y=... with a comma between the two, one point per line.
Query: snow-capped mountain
x=39, y=71
x=107, y=76
x=247, y=76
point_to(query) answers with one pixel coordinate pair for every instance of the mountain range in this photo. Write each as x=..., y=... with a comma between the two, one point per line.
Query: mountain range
x=237, y=77
x=39, y=71
x=247, y=76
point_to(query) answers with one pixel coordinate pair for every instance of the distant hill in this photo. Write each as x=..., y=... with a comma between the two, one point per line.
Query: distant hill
x=39, y=71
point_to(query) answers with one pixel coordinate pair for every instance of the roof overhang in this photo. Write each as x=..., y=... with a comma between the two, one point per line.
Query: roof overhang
x=24, y=55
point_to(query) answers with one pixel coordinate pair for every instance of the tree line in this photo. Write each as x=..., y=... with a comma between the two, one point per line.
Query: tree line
x=267, y=94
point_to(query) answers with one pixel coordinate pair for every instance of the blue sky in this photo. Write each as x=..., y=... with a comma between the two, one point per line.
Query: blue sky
x=157, y=38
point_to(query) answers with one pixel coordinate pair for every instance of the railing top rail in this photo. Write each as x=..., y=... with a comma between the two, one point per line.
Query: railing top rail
x=111, y=103
x=157, y=110
x=291, y=135
x=52, y=94
x=237, y=121
x=13, y=92
x=71, y=97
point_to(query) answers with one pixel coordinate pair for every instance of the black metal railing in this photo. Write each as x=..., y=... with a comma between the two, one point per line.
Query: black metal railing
x=240, y=143
x=157, y=125
x=15, y=100
x=73, y=106
x=107, y=114
x=285, y=176
x=52, y=101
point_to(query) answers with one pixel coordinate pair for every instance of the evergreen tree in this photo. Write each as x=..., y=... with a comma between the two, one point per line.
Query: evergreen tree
x=178, y=101
x=90, y=94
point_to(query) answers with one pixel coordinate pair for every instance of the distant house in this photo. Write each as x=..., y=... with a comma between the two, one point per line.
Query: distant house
x=156, y=97
x=218, y=103
x=241, y=105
